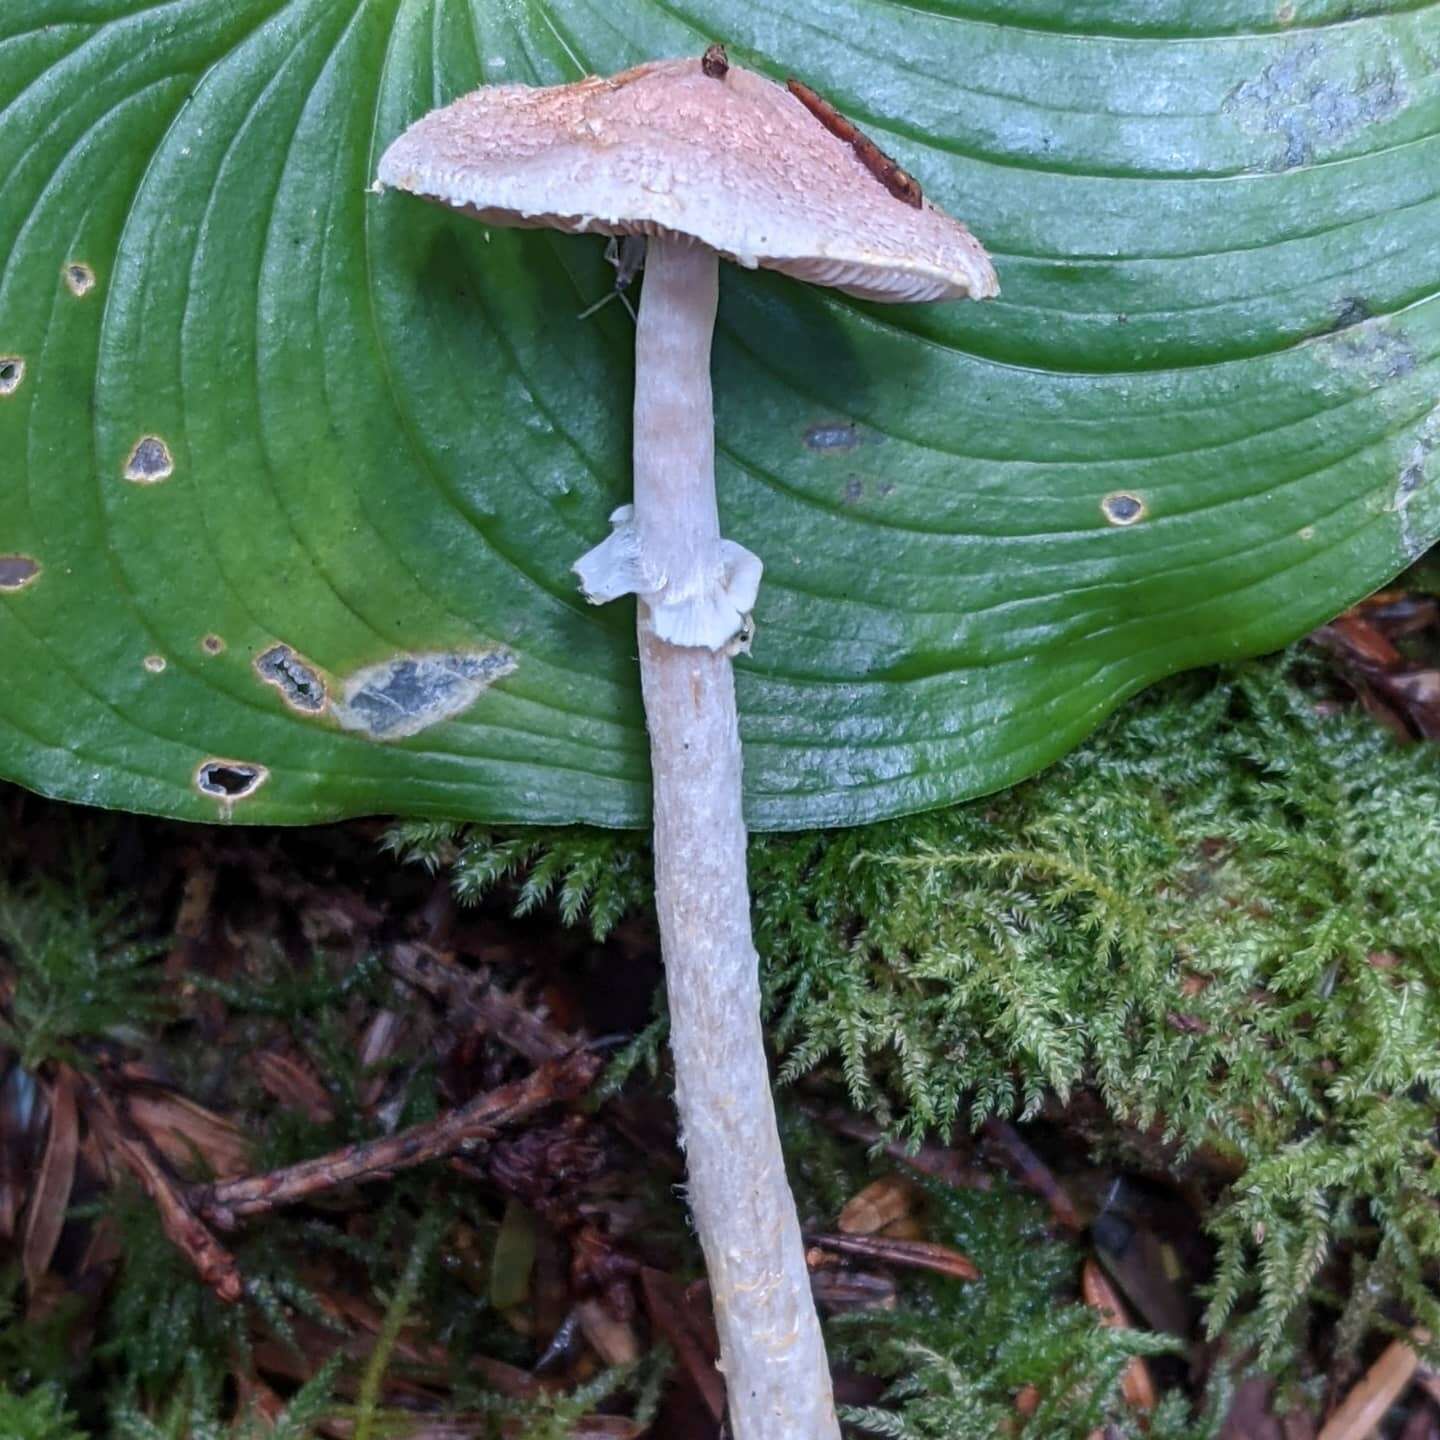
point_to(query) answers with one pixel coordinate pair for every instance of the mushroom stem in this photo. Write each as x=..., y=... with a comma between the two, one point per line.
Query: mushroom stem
x=676, y=519
x=777, y=1377
x=666, y=547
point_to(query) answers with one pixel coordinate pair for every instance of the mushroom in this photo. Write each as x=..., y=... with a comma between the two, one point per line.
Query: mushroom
x=704, y=159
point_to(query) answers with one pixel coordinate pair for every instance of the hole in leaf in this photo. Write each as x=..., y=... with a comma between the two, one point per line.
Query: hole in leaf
x=212, y=645
x=79, y=278
x=12, y=372
x=230, y=779
x=17, y=571
x=155, y=663
x=150, y=461
x=1122, y=508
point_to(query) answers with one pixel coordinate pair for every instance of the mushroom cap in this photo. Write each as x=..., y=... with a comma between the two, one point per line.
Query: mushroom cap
x=734, y=161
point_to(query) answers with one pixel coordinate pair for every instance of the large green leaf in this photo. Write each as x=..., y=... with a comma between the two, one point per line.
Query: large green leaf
x=262, y=408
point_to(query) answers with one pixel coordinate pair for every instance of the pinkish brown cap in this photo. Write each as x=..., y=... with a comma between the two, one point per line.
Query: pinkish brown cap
x=690, y=148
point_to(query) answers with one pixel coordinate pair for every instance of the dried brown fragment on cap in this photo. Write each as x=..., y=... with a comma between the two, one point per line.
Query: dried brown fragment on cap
x=900, y=183
x=715, y=62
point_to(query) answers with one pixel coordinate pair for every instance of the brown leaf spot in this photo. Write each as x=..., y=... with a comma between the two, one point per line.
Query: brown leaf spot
x=299, y=683
x=1123, y=508
x=212, y=645
x=79, y=278
x=150, y=461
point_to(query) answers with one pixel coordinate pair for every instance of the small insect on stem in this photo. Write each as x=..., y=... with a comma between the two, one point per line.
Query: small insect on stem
x=627, y=254
x=900, y=183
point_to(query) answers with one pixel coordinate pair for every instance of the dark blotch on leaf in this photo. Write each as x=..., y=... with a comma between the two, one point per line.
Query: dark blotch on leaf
x=150, y=461
x=17, y=571
x=1378, y=348
x=230, y=779
x=1123, y=508
x=298, y=682
x=832, y=437
x=1353, y=309
x=410, y=693
x=1312, y=103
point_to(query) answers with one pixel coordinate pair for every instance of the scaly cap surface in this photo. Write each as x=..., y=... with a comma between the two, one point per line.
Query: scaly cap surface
x=732, y=160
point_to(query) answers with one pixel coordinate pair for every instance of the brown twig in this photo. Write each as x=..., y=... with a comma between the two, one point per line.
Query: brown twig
x=227, y=1201
x=912, y=1254
x=1136, y=1384
x=1361, y=1411
x=472, y=999
x=469, y=995
x=1032, y=1172
x=943, y=1162
x=1403, y=696
x=215, y=1264
x=691, y=1333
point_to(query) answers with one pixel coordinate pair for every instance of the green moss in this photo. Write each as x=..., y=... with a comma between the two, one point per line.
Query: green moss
x=194, y=1411
x=1218, y=915
x=39, y=1414
x=81, y=970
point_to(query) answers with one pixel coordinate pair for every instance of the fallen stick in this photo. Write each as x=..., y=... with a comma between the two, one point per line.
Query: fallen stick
x=911, y=1254
x=1360, y=1413
x=466, y=994
x=224, y=1203
x=215, y=1264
